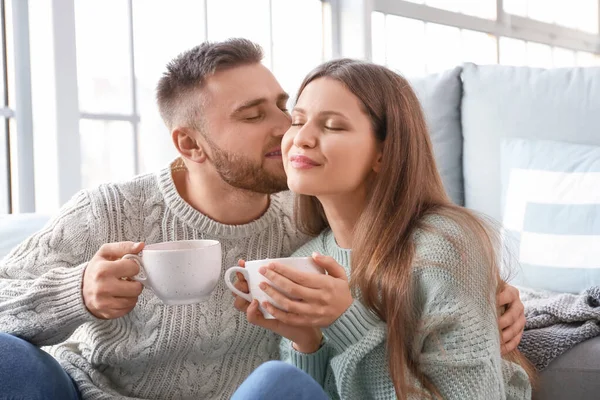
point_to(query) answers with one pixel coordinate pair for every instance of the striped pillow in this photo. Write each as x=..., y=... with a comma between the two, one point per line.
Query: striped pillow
x=551, y=213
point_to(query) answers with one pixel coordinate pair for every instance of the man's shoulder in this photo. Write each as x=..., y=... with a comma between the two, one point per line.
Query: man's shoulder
x=127, y=189
x=285, y=202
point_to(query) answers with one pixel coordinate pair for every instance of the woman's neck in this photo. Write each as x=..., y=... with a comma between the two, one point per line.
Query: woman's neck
x=343, y=212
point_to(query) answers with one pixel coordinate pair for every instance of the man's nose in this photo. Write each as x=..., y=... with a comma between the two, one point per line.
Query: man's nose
x=283, y=123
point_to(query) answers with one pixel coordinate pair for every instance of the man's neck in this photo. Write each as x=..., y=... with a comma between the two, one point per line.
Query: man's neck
x=343, y=212
x=219, y=200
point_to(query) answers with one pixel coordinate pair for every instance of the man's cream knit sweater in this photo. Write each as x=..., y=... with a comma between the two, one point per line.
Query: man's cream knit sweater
x=201, y=351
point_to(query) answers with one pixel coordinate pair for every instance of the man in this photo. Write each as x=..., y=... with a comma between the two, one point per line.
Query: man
x=63, y=287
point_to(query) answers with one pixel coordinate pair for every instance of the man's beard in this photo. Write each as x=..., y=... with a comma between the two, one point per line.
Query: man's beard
x=242, y=173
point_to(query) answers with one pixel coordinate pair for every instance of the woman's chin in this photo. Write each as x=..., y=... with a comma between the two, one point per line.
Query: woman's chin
x=305, y=188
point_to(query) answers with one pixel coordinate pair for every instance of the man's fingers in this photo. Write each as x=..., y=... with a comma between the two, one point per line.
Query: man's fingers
x=513, y=330
x=507, y=296
x=507, y=319
x=123, y=268
x=114, y=251
x=511, y=315
x=512, y=345
x=127, y=289
x=125, y=303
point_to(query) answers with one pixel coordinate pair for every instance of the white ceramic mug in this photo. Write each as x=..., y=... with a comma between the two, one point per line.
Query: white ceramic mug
x=254, y=278
x=181, y=272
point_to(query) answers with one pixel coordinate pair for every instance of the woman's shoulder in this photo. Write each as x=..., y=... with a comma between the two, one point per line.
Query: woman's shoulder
x=445, y=238
x=452, y=252
x=315, y=244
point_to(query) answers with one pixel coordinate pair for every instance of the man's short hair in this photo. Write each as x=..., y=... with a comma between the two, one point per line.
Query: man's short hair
x=179, y=102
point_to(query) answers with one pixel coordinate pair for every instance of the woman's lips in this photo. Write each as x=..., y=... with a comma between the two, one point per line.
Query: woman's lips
x=303, y=162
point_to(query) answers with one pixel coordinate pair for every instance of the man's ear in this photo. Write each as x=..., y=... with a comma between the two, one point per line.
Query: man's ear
x=187, y=145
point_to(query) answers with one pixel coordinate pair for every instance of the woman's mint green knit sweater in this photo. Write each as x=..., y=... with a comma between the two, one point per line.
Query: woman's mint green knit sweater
x=457, y=343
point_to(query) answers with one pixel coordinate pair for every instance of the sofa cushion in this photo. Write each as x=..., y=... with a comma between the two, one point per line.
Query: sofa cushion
x=15, y=228
x=500, y=101
x=440, y=95
x=551, y=197
x=573, y=375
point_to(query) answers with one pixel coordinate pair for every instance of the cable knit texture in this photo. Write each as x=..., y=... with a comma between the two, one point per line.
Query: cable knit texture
x=457, y=342
x=200, y=351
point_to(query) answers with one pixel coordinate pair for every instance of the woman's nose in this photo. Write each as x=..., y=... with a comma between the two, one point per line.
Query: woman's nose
x=306, y=137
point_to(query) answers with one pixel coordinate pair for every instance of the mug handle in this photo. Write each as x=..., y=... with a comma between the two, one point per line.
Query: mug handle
x=140, y=263
x=229, y=284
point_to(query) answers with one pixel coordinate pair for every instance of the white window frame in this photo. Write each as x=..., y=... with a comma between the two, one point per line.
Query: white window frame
x=349, y=23
x=21, y=113
x=65, y=171
x=505, y=25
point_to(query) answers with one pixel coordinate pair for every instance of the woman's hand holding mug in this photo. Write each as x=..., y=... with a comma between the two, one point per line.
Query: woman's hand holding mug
x=305, y=301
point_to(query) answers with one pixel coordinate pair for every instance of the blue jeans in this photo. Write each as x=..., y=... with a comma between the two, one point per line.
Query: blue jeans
x=275, y=380
x=27, y=372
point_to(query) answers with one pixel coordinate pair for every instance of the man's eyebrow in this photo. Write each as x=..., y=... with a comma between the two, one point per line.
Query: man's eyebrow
x=283, y=97
x=256, y=102
x=250, y=104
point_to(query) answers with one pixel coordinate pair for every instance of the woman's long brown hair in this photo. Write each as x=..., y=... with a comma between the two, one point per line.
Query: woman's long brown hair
x=407, y=188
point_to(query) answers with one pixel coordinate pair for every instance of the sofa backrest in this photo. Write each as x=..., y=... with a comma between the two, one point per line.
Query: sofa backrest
x=499, y=101
x=440, y=97
x=16, y=228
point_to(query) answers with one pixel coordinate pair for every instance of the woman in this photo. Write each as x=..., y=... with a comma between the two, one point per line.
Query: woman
x=417, y=317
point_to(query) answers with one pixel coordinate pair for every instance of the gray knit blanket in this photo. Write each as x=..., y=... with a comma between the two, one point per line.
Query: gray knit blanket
x=557, y=322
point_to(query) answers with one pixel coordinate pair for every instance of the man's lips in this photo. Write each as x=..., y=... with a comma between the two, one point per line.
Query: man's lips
x=274, y=153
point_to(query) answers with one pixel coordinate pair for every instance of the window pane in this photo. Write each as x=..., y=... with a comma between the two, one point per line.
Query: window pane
x=477, y=8
x=296, y=50
x=516, y=7
x=542, y=10
x=4, y=182
x=241, y=18
x=378, y=37
x=405, y=45
x=587, y=59
x=328, y=27
x=563, y=57
x=181, y=28
x=539, y=55
x=443, y=47
x=3, y=28
x=479, y=48
x=513, y=52
x=107, y=152
x=579, y=14
x=10, y=55
x=14, y=165
x=103, y=56
x=450, y=5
